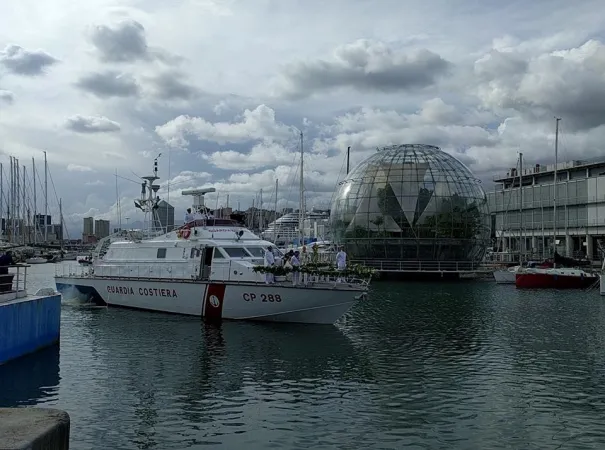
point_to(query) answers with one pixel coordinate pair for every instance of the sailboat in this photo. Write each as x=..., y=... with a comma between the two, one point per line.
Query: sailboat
x=509, y=275
x=555, y=277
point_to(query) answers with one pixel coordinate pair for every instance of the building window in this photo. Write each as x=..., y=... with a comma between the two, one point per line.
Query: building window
x=161, y=253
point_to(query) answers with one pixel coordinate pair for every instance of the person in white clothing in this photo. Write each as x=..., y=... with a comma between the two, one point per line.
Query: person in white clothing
x=295, y=262
x=269, y=262
x=188, y=216
x=341, y=261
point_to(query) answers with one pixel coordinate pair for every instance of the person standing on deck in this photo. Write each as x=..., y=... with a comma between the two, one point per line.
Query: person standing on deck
x=6, y=279
x=5, y=261
x=341, y=261
x=269, y=262
x=295, y=262
x=188, y=216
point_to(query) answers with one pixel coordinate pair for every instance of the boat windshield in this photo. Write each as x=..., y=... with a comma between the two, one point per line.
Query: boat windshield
x=257, y=252
x=236, y=252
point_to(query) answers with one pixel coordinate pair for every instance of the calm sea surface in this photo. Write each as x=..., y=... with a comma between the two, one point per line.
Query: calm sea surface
x=468, y=365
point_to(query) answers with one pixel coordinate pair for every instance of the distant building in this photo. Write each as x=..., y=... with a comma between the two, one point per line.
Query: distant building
x=101, y=228
x=223, y=213
x=88, y=232
x=39, y=220
x=55, y=233
x=88, y=226
x=165, y=215
x=525, y=223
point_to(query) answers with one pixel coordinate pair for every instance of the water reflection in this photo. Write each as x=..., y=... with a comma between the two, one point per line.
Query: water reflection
x=209, y=382
x=30, y=380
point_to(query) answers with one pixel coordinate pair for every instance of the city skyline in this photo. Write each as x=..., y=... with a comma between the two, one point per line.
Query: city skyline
x=105, y=87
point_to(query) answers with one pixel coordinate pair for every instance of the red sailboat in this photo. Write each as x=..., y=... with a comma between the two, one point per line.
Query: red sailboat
x=548, y=276
x=555, y=278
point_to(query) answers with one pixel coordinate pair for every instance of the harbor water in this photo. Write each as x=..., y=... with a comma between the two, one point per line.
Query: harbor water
x=468, y=365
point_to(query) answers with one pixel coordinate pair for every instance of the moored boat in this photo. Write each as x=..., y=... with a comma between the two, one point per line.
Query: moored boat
x=36, y=260
x=506, y=276
x=209, y=268
x=555, y=278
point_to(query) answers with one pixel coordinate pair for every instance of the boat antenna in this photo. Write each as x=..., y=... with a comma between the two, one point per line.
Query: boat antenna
x=554, y=196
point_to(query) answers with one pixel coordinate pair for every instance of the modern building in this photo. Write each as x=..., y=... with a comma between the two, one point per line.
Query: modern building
x=165, y=215
x=39, y=220
x=101, y=228
x=411, y=208
x=522, y=218
x=88, y=226
x=88, y=232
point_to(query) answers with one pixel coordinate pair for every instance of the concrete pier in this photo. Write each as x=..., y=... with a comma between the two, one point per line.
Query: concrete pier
x=34, y=429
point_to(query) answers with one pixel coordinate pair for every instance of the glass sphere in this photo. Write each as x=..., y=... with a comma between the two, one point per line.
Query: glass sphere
x=411, y=203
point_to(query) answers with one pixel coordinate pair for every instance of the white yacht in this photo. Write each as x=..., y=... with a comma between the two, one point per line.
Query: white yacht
x=283, y=230
x=205, y=268
x=286, y=229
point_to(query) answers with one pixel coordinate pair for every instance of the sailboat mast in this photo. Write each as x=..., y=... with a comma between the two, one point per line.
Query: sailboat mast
x=18, y=197
x=118, y=202
x=301, y=218
x=521, y=235
x=61, y=221
x=11, y=206
x=25, y=210
x=35, y=201
x=276, y=188
x=3, y=231
x=260, y=212
x=45, y=199
x=554, y=196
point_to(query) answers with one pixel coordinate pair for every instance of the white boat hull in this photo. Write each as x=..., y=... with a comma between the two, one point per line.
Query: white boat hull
x=505, y=276
x=36, y=260
x=280, y=302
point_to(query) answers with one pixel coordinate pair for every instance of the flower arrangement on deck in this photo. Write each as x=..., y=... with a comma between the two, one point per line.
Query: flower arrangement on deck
x=320, y=269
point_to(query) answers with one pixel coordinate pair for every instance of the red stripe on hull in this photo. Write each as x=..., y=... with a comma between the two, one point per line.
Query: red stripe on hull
x=213, y=304
x=550, y=281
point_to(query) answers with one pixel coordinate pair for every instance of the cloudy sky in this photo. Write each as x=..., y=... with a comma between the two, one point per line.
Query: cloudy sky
x=222, y=87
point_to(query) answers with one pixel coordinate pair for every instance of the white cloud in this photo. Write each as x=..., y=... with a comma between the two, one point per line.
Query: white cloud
x=78, y=168
x=20, y=61
x=261, y=155
x=6, y=96
x=367, y=66
x=91, y=124
x=256, y=124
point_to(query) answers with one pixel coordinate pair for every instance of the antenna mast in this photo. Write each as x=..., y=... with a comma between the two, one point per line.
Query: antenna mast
x=348, y=158
x=301, y=218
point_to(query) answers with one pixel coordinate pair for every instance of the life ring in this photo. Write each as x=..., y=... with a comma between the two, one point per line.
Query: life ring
x=185, y=233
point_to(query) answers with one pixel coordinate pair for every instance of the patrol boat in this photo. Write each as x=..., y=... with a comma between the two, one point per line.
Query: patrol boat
x=204, y=268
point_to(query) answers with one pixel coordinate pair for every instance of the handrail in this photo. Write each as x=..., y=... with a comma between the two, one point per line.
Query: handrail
x=421, y=266
x=13, y=284
x=223, y=271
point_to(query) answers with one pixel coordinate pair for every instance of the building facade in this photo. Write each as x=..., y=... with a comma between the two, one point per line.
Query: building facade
x=101, y=228
x=522, y=209
x=165, y=216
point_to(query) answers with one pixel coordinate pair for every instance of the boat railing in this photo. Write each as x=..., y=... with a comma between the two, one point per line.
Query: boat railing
x=422, y=266
x=231, y=271
x=13, y=283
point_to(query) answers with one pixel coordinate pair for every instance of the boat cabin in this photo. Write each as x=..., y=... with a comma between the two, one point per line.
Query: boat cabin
x=217, y=252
